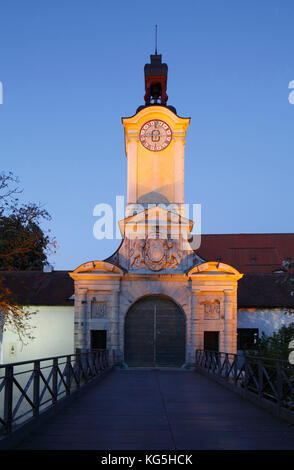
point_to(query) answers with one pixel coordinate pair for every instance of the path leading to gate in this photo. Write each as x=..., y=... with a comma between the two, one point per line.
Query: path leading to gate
x=161, y=409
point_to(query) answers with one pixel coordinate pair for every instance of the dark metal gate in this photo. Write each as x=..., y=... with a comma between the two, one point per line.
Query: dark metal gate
x=155, y=333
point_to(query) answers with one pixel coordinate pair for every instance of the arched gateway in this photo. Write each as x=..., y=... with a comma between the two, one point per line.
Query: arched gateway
x=155, y=333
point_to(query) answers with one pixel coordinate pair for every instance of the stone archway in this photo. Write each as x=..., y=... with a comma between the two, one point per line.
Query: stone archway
x=155, y=333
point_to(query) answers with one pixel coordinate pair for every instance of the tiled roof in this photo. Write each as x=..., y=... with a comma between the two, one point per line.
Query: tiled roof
x=38, y=288
x=249, y=252
x=265, y=290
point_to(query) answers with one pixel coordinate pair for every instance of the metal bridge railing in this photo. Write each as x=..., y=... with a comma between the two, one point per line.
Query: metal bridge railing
x=268, y=379
x=31, y=387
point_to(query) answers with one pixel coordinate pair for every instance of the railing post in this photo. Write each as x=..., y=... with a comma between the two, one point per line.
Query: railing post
x=95, y=362
x=214, y=362
x=36, y=399
x=102, y=360
x=107, y=359
x=99, y=360
x=8, y=397
x=260, y=378
x=227, y=366
x=235, y=368
x=279, y=384
x=68, y=375
x=246, y=370
x=54, y=380
x=78, y=359
x=86, y=366
x=219, y=362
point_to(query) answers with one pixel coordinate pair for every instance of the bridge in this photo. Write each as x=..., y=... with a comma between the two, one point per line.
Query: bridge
x=172, y=409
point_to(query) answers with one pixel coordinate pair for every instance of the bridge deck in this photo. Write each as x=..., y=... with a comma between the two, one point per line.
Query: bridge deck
x=161, y=409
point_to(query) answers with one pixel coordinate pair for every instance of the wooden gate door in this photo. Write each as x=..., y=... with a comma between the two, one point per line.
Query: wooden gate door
x=155, y=333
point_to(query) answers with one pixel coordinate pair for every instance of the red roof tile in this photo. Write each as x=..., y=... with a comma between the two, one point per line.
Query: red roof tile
x=249, y=253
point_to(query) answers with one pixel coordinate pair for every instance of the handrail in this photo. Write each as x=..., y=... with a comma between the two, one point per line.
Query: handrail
x=267, y=378
x=26, y=392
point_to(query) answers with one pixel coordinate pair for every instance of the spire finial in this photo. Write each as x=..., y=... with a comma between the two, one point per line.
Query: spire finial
x=156, y=39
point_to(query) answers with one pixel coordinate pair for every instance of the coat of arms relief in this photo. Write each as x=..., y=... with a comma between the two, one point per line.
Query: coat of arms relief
x=155, y=253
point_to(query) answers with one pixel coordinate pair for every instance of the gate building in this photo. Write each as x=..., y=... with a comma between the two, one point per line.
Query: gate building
x=156, y=300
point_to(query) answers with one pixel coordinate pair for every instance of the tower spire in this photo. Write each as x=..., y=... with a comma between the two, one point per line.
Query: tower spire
x=155, y=78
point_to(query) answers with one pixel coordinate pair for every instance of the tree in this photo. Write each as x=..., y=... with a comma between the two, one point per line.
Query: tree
x=23, y=246
x=277, y=345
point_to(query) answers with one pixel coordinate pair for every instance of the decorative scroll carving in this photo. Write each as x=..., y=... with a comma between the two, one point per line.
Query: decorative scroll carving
x=155, y=253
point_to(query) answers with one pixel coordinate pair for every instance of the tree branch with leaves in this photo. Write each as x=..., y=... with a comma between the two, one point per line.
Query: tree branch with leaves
x=23, y=246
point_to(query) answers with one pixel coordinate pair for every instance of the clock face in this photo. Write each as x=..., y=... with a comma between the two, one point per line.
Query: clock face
x=155, y=135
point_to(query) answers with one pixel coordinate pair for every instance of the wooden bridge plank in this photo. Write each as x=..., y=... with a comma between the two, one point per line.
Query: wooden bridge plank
x=161, y=409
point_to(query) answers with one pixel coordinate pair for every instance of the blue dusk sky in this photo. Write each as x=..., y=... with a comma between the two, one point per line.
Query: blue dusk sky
x=71, y=69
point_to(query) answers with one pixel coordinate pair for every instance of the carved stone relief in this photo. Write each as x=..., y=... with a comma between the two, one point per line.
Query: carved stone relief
x=155, y=253
x=98, y=309
x=211, y=310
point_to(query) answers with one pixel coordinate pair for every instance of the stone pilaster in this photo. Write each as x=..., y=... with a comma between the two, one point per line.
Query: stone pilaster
x=179, y=138
x=196, y=322
x=230, y=322
x=131, y=146
x=114, y=337
x=81, y=320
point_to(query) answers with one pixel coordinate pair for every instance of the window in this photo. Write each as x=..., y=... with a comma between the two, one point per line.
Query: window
x=247, y=338
x=98, y=339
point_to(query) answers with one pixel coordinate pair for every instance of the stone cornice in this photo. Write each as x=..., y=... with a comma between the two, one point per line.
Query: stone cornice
x=97, y=269
x=213, y=270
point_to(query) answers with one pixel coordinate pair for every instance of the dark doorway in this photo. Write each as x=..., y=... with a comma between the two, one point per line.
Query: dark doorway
x=211, y=340
x=98, y=339
x=155, y=333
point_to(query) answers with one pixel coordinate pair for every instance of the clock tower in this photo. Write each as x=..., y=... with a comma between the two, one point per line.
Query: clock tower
x=155, y=143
